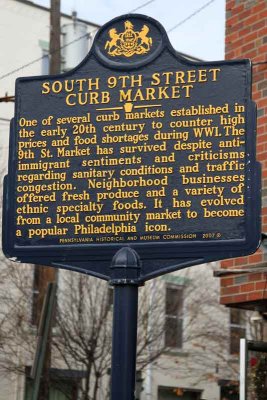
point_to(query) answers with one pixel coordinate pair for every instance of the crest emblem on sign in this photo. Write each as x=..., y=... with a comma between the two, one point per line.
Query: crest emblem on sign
x=129, y=42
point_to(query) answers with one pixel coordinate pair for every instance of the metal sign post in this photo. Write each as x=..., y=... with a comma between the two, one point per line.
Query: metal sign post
x=125, y=271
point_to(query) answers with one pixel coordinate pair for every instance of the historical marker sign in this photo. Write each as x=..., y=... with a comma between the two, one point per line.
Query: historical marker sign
x=136, y=146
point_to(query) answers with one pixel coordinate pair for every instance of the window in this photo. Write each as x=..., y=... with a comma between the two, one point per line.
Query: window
x=45, y=62
x=229, y=390
x=110, y=297
x=44, y=47
x=63, y=384
x=176, y=393
x=237, y=329
x=35, y=296
x=174, y=316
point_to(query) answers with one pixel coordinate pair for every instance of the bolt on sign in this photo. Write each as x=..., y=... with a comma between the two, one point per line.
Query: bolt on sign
x=137, y=146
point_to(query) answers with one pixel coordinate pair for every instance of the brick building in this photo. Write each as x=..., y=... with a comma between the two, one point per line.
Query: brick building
x=246, y=37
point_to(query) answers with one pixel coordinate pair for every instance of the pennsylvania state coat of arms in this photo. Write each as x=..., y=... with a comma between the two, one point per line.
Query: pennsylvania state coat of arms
x=129, y=42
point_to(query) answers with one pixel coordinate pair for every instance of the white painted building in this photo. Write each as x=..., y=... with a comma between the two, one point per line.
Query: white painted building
x=198, y=360
x=198, y=356
x=24, y=43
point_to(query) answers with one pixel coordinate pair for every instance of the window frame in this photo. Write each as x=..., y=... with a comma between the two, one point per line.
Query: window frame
x=177, y=315
x=237, y=330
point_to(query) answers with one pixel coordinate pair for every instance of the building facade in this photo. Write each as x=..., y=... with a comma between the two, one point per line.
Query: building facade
x=246, y=37
x=243, y=279
x=24, y=40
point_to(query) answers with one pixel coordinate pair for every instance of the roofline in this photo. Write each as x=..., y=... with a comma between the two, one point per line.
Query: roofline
x=188, y=57
x=32, y=4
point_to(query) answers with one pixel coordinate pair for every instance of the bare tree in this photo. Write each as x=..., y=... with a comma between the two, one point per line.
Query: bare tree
x=205, y=354
x=17, y=342
x=84, y=327
x=82, y=331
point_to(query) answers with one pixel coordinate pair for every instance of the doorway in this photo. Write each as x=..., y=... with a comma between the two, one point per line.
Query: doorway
x=177, y=393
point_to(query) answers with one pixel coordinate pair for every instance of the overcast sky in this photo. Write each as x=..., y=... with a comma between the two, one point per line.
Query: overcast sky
x=201, y=22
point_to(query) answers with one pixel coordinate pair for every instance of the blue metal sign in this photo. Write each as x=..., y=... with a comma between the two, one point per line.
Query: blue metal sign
x=137, y=146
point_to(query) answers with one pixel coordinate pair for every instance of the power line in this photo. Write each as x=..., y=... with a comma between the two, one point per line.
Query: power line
x=67, y=44
x=191, y=15
x=45, y=55
x=92, y=32
x=142, y=6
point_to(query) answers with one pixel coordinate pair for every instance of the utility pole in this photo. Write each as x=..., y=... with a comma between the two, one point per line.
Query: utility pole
x=48, y=274
x=43, y=335
x=54, y=48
